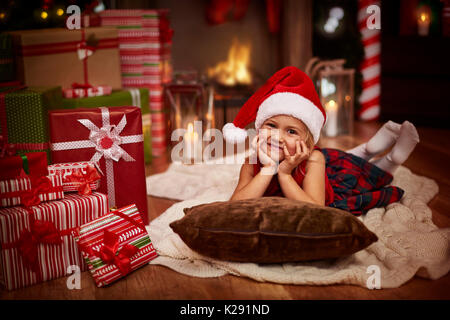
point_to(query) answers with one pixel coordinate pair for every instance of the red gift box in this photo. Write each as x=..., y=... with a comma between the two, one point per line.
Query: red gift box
x=115, y=244
x=33, y=164
x=111, y=137
x=76, y=176
x=30, y=191
x=37, y=243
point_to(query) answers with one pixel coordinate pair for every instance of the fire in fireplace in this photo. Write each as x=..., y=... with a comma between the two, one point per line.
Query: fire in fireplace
x=235, y=70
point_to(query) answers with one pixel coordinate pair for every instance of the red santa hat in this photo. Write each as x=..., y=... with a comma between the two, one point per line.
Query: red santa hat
x=288, y=92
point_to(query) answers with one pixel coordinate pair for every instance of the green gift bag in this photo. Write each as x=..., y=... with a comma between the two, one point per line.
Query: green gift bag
x=24, y=118
x=125, y=97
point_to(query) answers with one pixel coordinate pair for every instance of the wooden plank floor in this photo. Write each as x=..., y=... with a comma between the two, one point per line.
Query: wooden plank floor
x=431, y=158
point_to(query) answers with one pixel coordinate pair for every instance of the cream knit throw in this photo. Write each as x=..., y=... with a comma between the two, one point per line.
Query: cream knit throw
x=409, y=243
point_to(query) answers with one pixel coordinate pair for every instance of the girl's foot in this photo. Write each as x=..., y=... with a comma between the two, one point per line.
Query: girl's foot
x=404, y=146
x=381, y=141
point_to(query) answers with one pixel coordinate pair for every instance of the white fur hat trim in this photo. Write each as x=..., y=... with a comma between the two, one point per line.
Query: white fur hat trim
x=233, y=134
x=292, y=104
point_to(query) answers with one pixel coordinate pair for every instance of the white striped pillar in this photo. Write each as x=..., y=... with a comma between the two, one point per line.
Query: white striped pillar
x=370, y=67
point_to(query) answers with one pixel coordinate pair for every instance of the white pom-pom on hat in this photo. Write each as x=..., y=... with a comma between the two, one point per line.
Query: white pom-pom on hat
x=234, y=134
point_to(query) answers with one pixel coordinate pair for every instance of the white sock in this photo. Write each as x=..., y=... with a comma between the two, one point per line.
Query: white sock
x=381, y=141
x=404, y=146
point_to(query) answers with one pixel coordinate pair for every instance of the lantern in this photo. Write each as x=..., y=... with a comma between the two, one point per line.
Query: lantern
x=191, y=107
x=335, y=86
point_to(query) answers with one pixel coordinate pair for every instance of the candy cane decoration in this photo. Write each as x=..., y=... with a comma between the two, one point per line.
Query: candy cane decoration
x=370, y=67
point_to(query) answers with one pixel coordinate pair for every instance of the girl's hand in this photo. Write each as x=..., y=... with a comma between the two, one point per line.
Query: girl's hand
x=290, y=162
x=269, y=164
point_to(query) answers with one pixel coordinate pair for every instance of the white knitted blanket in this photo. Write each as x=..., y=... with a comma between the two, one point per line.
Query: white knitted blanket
x=409, y=243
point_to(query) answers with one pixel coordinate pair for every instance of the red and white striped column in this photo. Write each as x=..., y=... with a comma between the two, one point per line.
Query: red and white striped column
x=370, y=67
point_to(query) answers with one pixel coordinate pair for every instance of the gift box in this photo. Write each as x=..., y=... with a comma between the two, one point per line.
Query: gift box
x=33, y=164
x=30, y=191
x=37, y=243
x=23, y=116
x=81, y=177
x=60, y=53
x=126, y=97
x=111, y=137
x=145, y=39
x=115, y=244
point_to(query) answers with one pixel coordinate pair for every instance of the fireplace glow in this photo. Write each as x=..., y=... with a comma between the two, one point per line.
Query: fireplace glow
x=233, y=71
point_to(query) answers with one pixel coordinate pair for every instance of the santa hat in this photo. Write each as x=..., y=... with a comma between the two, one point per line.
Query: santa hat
x=288, y=92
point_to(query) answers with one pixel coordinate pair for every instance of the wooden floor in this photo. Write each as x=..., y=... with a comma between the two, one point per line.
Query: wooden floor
x=431, y=158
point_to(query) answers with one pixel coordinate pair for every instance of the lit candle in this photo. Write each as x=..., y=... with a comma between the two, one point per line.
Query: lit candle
x=190, y=144
x=331, y=126
x=423, y=21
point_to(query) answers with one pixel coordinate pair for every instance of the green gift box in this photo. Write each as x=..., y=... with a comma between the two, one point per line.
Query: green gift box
x=7, y=71
x=24, y=116
x=125, y=97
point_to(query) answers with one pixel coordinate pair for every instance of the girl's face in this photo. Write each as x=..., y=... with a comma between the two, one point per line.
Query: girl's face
x=281, y=130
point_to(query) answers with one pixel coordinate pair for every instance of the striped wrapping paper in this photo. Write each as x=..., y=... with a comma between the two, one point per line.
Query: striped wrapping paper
x=69, y=213
x=159, y=133
x=24, y=184
x=90, y=237
x=64, y=170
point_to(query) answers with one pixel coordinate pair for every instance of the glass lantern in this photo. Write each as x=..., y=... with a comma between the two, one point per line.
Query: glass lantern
x=191, y=107
x=335, y=86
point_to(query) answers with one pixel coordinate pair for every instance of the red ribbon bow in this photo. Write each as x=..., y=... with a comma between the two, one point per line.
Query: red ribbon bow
x=109, y=252
x=38, y=186
x=84, y=179
x=40, y=231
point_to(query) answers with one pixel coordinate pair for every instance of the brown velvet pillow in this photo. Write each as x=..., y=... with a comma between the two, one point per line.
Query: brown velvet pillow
x=271, y=230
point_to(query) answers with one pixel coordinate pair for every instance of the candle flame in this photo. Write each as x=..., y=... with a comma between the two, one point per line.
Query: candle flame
x=190, y=128
x=424, y=14
x=331, y=105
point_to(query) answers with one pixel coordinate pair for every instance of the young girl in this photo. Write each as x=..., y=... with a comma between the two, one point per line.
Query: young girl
x=288, y=117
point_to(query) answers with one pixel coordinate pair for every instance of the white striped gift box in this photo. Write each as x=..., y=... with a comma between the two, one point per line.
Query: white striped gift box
x=11, y=190
x=53, y=259
x=65, y=170
x=126, y=223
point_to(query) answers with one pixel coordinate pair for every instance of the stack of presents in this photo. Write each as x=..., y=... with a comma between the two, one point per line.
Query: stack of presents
x=80, y=115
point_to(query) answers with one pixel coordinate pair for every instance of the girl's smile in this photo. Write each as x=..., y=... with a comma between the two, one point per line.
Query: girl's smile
x=280, y=131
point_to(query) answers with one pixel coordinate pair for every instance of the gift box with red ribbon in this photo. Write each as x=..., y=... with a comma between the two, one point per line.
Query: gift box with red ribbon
x=37, y=243
x=81, y=177
x=111, y=137
x=23, y=117
x=61, y=54
x=115, y=244
x=30, y=191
